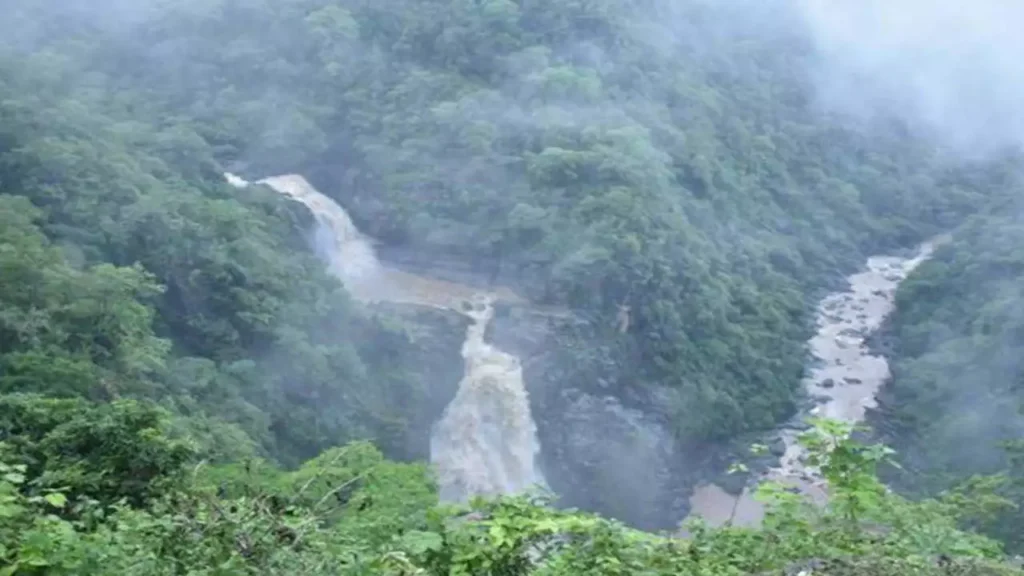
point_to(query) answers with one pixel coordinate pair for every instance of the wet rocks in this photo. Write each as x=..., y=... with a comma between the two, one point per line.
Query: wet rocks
x=851, y=333
x=609, y=457
x=797, y=425
x=846, y=322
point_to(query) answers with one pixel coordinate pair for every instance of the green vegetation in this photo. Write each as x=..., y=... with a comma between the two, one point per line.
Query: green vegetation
x=349, y=511
x=185, y=390
x=953, y=409
x=151, y=280
x=589, y=152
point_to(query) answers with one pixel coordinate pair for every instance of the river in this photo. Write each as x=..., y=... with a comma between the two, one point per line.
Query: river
x=845, y=376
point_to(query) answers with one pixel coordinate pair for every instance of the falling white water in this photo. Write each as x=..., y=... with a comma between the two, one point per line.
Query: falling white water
x=486, y=442
x=349, y=253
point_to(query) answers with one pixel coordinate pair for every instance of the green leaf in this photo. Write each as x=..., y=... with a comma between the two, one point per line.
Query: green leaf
x=14, y=477
x=738, y=468
x=56, y=499
x=419, y=542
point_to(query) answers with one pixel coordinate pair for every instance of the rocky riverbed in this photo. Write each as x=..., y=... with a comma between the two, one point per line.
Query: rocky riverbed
x=843, y=380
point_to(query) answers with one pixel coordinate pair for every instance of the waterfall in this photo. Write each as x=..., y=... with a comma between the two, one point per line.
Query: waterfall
x=349, y=253
x=486, y=442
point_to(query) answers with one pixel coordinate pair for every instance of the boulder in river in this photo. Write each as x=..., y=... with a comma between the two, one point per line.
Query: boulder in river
x=777, y=447
x=828, y=383
x=851, y=380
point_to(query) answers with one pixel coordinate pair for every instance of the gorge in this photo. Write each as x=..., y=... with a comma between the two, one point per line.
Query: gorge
x=486, y=442
x=844, y=377
x=595, y=247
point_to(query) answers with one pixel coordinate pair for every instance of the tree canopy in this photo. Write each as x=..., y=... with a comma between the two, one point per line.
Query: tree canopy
x=184, y=388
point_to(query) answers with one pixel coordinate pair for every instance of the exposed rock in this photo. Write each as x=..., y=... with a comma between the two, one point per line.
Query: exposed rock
x=436, y=337
x=828, y=383
x=618, y=458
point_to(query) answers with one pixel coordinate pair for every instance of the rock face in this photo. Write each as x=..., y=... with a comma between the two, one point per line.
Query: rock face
x=610, y=456
x=597, y=454
x=617, y=457
x=434, y=337
x=600, y=450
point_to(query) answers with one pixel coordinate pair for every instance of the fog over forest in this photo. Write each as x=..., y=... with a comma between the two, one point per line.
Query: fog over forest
x=950, y=68
x=508, y=287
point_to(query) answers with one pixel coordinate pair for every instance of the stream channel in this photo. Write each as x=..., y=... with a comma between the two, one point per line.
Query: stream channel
x=845, y=377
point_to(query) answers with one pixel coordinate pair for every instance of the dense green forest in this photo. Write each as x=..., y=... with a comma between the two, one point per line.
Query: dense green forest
x=953, y=408
x=185, y=389
x=598, y=162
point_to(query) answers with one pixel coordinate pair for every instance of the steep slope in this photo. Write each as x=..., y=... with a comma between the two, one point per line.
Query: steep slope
x=953, y=407
x=843, y=381
x=267, y=354
x=613, y=163
x=658, y=168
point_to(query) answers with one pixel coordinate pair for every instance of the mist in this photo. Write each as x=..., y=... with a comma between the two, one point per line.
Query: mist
x=951, y=70
x=680, y=163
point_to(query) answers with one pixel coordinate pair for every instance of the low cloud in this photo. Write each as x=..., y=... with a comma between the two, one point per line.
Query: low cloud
x=951, y=69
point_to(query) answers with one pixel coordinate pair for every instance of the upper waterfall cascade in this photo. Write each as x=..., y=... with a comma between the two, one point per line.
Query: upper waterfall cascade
x=486, y=442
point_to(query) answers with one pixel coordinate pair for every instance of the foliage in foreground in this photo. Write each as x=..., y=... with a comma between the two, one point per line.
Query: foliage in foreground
x=352, y=512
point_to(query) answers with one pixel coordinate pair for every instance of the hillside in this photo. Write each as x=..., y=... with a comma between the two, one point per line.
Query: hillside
x=953, y=408
x=174, y=355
